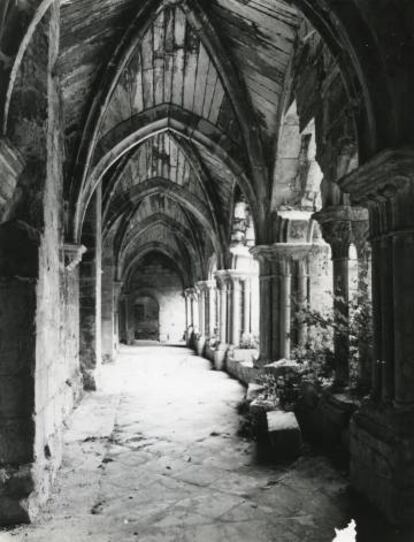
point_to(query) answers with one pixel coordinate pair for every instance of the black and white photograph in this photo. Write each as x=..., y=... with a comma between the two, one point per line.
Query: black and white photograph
x=206, y=270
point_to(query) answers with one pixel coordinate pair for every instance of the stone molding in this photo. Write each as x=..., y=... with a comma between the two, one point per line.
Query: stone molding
x=382, y=178
x=230, y=276
x=73, y=255
x=281, y=251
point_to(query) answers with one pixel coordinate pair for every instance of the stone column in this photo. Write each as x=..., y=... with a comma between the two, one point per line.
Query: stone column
x=302, y=299
x=360, y=232
x=255, y=305
x=285, y=314
x=235, y=308
x=268, y=288
x=212, y=316
x=337, y=231
x=116, y=303
x=201, y=290
x=108, y=306
x=129, y=319
x=195, y=310
x=247, y=292
x=90, y=293
x=188, y=317
x=382, y=431
x=286, y=255
x=223, y=285
x=122, y=318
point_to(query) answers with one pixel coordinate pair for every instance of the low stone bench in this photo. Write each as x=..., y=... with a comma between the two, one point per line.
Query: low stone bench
x=258, y=409
x=284, y=434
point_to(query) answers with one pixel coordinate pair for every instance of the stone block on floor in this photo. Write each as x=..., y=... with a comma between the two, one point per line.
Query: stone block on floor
x=284, y=434
x=258, y=410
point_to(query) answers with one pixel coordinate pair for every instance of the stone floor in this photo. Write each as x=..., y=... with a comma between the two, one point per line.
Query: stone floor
x=154, y=456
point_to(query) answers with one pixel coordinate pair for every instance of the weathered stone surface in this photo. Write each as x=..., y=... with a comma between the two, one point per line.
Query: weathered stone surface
x=284, y=434
x=242, y=370
x=122, y=474
x=258, y=410
x=382, y=460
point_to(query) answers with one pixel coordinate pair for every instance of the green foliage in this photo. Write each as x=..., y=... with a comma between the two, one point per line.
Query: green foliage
x=318, y=352
x=282, y=391
x=316, y=358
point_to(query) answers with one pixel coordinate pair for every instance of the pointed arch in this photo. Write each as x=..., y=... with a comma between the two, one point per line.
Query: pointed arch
x=123, y=138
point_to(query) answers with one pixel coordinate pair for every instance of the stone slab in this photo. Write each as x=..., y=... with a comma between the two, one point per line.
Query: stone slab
x=284, y=434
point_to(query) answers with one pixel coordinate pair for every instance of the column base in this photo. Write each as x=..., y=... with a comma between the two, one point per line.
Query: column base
x=220, y=354
x=187, y=335
x=200, y=345
x=382, y=459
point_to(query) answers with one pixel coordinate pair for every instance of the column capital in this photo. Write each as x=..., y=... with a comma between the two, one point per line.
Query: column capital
x=190, y=292
x=336, y=226
x=388, y=174
x=281, y=251
x=202, y=285
x=211, y=284
x=73, y=255
x=222, y=277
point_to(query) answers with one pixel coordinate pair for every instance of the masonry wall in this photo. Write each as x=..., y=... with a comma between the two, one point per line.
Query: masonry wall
x=158, y=279
x=57, y=325
x=39, y=326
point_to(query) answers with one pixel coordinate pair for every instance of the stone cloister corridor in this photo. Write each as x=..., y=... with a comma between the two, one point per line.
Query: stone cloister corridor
x=155, y=456
x=232, y=180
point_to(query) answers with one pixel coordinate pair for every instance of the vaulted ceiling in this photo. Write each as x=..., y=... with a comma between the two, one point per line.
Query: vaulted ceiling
x=169, y=105
x=201, y=84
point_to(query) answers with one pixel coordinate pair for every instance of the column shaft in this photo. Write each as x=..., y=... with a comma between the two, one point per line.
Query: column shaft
x=285, y=313
x=236, y=312
x=341, y=315
x=212, y=293
x=247, y=307
x=223, y=313
x=302, y=300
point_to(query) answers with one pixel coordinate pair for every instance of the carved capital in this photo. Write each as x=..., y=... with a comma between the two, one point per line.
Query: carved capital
x=336, y=226
x=294, y=226
x=73, y=255
x=222, y=278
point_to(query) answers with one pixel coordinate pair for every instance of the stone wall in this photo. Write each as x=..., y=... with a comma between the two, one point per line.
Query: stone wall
x=57, y=381
x=39, y=325
x=158, y=279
